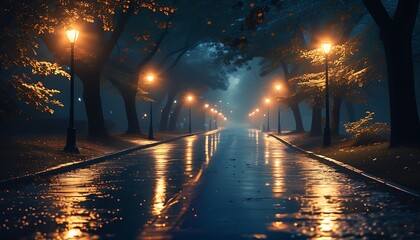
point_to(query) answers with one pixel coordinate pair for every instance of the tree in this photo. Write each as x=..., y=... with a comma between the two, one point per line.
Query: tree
x=349, y=73
x=129, y=87
x=22, y=68
x=101, y=24
x=396, y=34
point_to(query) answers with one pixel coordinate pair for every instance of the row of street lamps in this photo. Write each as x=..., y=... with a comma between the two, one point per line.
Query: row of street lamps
x=72, y=36
x=267, y=101
x=326, y=48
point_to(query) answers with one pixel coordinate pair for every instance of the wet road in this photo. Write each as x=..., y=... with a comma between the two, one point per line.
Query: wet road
x=236, y=184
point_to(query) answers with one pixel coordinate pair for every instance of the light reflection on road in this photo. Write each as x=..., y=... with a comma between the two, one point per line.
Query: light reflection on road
x=256, y=188
x=113, y=199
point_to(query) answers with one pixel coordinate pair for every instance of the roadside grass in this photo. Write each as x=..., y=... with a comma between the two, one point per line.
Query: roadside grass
x=400, y=165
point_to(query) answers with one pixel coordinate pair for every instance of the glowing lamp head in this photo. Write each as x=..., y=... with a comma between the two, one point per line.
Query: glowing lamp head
x=212, y=110
x=150, y=78
x=326, y=47
x=278, y=87
x=206, y=105
x=72, y=35
x=267, y=100
x=257, y=109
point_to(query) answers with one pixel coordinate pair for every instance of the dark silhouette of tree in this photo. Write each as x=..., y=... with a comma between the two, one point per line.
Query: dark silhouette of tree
x=396, y=34
x=101, y=25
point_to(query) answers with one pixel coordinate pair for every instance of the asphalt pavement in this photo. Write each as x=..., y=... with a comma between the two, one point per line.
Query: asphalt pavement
x=233, y=184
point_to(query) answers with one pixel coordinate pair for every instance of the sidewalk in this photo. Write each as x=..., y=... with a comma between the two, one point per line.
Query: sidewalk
x=400, y=165
x=24, y=155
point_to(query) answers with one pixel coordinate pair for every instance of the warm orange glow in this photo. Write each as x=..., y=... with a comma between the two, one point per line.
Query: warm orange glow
x=215, y=111
x=72, y=35
x=257, y=109
x=220, y=114
x=190, y=98
x=267, y=100
x=150, y=78
x=206, y=105
x=278, y=87
x=212, y=110
x=326, y=47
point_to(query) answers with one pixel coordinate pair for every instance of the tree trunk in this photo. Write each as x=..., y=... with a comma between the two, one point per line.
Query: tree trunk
x=293, y=105
x=297, y=116
x=174, y=116
x=335, y=121
x=405, y=125
x=129, y=97
x=396, y=35
x=350, y=111
x=316, y=124
x=164, y=118
x=93, y=103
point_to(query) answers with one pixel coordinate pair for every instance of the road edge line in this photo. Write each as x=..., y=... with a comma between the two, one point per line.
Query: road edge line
x=66, y=167
x=335, y=163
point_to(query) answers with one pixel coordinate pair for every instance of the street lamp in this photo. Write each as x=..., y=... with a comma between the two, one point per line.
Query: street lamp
x=211, y=117
x=206, y=106
x=71, y=146
x=278, y=87
x=215, y=120
x=150, y=78
x=326, y=48
x=189, y=113
x=267, y=101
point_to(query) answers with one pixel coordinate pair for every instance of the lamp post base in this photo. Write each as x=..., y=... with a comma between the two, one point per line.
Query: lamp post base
x=71, y=146
x=151, y=137
x=327, y=137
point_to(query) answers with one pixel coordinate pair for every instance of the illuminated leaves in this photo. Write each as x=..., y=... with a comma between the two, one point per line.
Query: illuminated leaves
x=365, y=131
x=349, y=71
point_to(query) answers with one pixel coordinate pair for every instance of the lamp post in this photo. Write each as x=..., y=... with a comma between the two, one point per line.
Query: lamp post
x=215, y=120
x=326, y=47
x=206, y=106
x=278, y=87
x=189, y=113
x=211, y=118
x=150, y=79
x=71, y=146
x=267, y=101
x=257, y=119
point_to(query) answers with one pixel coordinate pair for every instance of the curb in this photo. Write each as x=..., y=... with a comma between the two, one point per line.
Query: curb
x=66, y=167
x=342, y=166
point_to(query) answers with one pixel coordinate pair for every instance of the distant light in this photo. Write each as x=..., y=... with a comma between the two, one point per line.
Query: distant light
x=206, y=105
x=220, y=100
x=110, y=111
x=145, y=115
x=79, y=99
x=278, y=87
x=150, y=78
x=231, y=111
x=174, y=101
